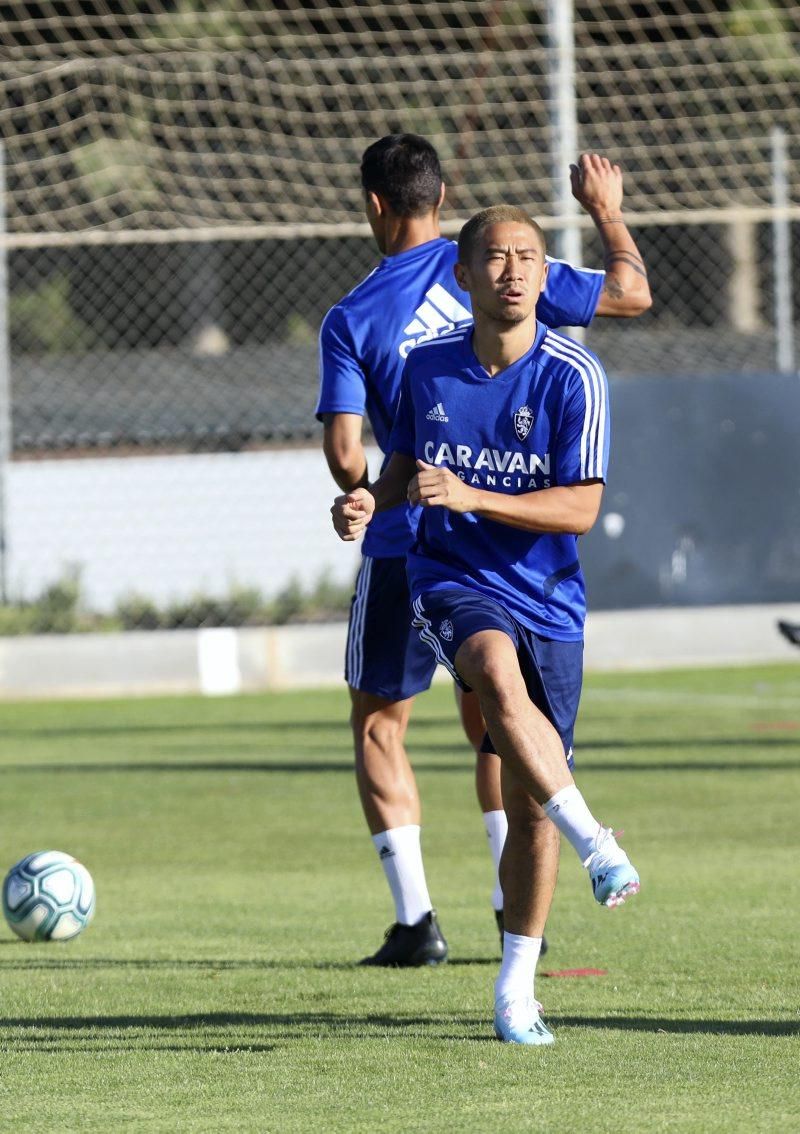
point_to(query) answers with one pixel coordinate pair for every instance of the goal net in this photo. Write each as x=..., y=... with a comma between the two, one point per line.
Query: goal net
x=182, y=201
x=158, y=115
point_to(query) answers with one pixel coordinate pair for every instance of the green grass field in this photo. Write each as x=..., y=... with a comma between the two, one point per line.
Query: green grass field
x=236, y=884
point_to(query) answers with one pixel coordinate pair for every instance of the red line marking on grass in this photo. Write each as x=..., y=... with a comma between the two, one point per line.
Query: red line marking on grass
x=775, y=726
x=575, y=972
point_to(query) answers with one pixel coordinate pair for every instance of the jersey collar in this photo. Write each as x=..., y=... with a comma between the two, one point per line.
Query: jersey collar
x=420, y=251
x=475, y=367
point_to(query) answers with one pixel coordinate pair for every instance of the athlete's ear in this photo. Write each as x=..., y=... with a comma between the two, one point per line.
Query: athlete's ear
x=545, y=273
x=441, y=197
x=462, y=279
x=376, y=207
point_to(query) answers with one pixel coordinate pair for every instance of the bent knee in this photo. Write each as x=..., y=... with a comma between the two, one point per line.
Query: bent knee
x=378, y=730
x=488, y=663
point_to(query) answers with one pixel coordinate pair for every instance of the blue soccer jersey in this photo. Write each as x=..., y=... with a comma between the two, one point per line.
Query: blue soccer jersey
x=409, y=299
x=540, y=423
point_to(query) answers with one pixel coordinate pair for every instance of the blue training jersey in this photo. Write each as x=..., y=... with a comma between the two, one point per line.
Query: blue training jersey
x=409, y=299
x=540, y=423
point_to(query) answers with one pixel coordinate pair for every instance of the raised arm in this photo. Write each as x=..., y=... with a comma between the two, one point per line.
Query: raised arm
x=597, y=186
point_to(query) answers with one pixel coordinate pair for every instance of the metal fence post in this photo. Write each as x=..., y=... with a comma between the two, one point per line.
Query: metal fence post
x=563, y=123
x=784, y=322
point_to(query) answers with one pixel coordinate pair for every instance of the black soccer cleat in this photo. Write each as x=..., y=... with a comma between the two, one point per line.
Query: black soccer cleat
x=790, y=631
x=410, y=946
x=498, y=917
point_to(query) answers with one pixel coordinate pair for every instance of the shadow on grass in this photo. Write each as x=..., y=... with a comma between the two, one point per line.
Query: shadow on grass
x=584, y=745
x=150, y=766
x=330, y=1025
x=232, y=724
x=757, y=740
x=80, y=964
x=729, y=766
x=77, y=1043
x=126, y=728
x=461, y=762
x=682, y=1027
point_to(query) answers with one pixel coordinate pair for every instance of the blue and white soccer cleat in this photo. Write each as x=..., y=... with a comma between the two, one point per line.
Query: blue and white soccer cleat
x=612, y=876
x=518, y=1021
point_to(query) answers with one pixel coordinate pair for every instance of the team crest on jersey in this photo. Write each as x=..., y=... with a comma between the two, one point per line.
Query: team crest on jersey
x=446, y=630
x=523, y=421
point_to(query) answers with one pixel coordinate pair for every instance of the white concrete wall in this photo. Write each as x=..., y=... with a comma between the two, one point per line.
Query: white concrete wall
x=217, y=662
x=168, y=527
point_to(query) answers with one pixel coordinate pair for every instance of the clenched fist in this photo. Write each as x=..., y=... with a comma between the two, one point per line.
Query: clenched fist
x=352, y=512
x=434, y=485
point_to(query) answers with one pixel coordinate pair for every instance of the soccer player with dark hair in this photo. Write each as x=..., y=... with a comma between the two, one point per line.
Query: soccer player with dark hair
x=410, y=298
x=508, y=470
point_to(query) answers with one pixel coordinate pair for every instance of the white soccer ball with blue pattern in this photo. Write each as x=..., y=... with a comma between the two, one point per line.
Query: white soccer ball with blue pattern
x=48, y=896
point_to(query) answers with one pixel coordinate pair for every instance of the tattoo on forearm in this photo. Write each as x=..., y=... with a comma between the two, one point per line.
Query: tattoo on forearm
x=628, y=258
x=613, y=288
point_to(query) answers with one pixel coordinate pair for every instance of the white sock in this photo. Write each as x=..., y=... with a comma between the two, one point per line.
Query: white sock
x=401, y=857
x=574, y=820
x=496, y=823
x=517, y=972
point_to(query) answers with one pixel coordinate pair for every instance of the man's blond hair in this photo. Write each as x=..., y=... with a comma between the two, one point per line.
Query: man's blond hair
x=497, y=214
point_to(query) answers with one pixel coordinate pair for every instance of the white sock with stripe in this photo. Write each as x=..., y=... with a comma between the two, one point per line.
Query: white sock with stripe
x=574, y=820
x=496, y=823
x=400, y=853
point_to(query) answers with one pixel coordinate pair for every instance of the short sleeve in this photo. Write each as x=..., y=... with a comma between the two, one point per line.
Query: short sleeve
x=585, y=433
x=570, y=296
x=403, y=436
x=342, y=385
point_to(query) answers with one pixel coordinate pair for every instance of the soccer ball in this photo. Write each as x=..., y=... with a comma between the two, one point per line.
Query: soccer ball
x=48, y=896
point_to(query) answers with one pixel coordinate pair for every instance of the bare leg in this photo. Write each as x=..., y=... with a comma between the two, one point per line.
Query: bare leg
x=542, y=840
x=529, y=866
x=488, y=789
x=537, y=784
x=533, y=754
x=527, y=742
x=487, y=764
x=386, y=781
x=390, y=800
x=534, y=769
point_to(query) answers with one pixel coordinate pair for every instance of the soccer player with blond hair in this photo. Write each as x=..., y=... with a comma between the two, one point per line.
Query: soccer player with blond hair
x=508, y=472
x=409, y=299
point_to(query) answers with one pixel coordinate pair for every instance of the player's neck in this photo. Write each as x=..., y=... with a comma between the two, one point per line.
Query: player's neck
x=401, y=234
x=499, y=346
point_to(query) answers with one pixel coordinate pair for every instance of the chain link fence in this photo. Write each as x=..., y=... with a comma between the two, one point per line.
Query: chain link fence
x=182, y=208
x=178, y=351
x=212, y=346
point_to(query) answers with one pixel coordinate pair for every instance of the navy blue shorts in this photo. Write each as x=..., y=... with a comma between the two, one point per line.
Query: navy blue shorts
x=553, y=670
x=384, y=653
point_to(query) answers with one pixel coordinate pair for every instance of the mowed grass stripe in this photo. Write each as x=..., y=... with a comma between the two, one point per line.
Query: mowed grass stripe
x=217, y=988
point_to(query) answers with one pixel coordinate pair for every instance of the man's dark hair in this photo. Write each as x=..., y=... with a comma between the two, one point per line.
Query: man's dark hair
x=403, y=169
x=498, y=214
